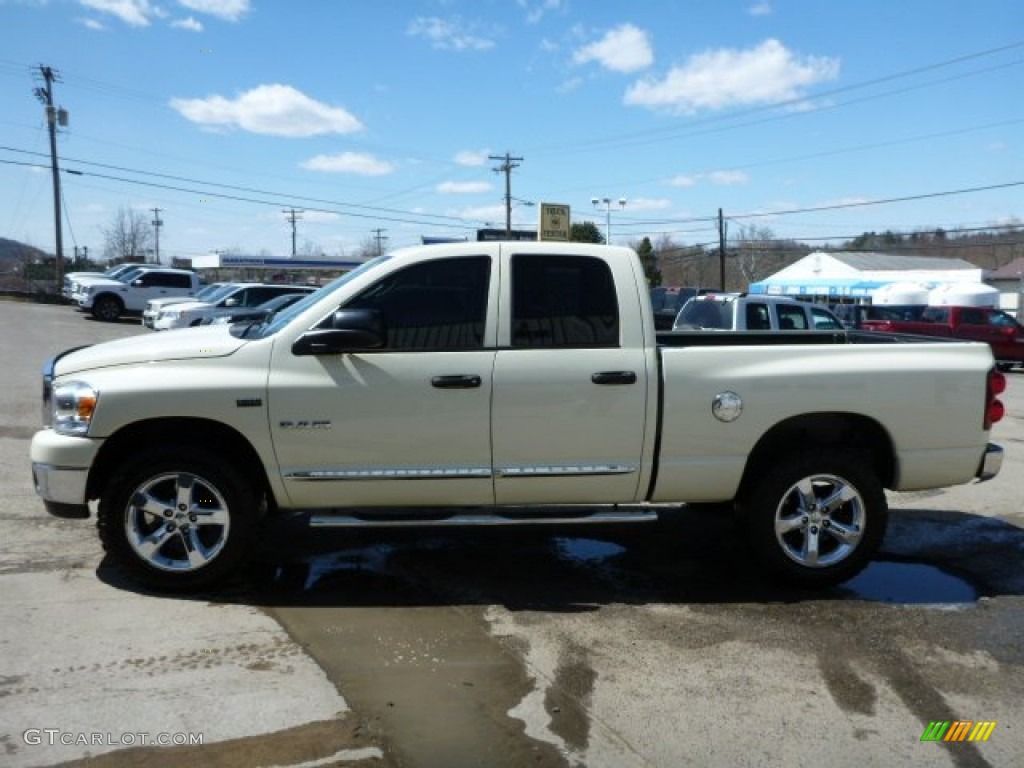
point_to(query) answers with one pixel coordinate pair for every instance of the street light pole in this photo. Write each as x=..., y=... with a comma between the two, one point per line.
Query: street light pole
x=607, y=201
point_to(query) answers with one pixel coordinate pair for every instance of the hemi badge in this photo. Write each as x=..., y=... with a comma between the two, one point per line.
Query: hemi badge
x=251, y=402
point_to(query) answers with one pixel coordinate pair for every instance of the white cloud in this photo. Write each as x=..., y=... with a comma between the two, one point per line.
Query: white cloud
x=190, y=24
x=535, y=11
x=720, y=178
x=447, y=34
x=276, y=110
x=359, y=163
x=570, y=85
x=472, y=158
x=766, y=74
x=624, y=49
x=728, y=178
x=135, y=13
x=494, y=215
x=229, y=10
x=463, y=187
x=320, y=217
x=648, y=204
x=91, y=24
x=763, y=8
x=684, y=181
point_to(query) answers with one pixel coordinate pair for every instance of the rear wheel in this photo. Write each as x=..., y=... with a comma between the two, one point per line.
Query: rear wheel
x=179, y=518
x=107, y=308
x=815, y=519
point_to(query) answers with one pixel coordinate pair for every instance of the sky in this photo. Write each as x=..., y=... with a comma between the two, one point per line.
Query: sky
x=800, y=119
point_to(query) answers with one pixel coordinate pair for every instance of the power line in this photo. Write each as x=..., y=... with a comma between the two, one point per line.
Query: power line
x=245, y=189
x=453, y=222
x=652, y=135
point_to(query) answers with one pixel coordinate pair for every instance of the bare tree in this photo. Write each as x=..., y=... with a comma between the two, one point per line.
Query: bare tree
x=129, y=236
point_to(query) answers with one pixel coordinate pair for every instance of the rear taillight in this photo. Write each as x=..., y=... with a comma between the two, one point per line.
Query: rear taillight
x=994, y=408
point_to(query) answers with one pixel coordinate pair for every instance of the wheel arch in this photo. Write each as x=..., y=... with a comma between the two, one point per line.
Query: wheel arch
x=107, y=295
x=847, y=432
x=209, y=434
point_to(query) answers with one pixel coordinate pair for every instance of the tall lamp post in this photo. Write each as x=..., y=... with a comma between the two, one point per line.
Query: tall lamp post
x=607, y=202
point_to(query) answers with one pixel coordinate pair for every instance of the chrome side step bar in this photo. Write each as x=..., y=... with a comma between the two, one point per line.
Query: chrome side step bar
x=481, y=519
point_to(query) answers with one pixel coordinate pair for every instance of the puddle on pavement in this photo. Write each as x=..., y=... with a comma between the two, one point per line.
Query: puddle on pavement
x=910, y=584
x=587, y=550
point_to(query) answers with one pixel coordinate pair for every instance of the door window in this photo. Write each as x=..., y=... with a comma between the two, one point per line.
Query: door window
x=791, y=318
x=757, y=317
x=563, y=301
x=435, y=305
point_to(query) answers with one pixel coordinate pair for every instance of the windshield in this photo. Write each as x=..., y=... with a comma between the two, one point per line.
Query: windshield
x=704, y=313
x=282, y=318
x=131, y=274
x=212, y=291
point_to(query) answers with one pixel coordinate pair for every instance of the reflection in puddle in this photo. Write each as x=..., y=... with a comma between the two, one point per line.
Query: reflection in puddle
x=911, y=583
x=309, y=572
x=587, y=550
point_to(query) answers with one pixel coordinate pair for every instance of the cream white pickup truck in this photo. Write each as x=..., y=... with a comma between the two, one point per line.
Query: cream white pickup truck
x=502, y=383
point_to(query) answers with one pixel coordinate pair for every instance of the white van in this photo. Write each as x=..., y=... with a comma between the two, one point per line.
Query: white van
x=745, y=312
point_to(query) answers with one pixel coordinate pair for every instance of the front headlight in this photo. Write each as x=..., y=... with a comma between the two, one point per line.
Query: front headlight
x=74, y=403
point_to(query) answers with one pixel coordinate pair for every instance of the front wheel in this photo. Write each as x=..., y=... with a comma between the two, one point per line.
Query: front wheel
x=815, y=519
x=107, y=308
x=178, y=519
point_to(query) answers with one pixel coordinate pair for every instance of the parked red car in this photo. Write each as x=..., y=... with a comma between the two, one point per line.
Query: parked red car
x=1004, y=334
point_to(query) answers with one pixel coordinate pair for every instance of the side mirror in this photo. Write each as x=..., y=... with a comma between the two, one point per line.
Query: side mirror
x=231, y=302
x=351, y=330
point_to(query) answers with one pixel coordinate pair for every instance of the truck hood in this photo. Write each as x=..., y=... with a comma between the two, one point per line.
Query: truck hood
x=190, y=304
x=99, y=280
x=183, y=344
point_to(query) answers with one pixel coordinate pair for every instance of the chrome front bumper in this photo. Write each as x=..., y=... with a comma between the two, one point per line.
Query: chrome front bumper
x=991, y=463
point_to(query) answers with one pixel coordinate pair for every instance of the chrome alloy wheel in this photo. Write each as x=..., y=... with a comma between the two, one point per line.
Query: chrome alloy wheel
x=177, y=521
x=820, y=520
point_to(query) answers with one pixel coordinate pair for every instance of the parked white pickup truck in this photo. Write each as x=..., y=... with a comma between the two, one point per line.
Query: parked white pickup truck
x=487, y=377
x=109, y=299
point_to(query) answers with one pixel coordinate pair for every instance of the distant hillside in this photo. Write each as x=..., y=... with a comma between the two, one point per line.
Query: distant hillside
x=13, y=254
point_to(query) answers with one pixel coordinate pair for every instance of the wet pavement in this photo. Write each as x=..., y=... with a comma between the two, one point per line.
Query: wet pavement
x=652, y=645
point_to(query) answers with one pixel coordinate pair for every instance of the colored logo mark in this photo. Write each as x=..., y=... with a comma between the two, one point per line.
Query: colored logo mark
x=958, y=730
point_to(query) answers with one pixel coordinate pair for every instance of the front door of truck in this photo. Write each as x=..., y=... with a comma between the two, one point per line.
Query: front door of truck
x=570, y=383
x=408, y=424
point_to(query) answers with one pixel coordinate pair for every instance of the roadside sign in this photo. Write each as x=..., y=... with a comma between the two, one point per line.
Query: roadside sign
x=554, y=222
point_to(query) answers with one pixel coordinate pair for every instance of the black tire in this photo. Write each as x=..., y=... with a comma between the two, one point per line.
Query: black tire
x=179, y=518
x=107, y=308
x=802, y=543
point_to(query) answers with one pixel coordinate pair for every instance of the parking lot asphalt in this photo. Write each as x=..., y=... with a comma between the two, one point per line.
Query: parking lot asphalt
x=645, y=646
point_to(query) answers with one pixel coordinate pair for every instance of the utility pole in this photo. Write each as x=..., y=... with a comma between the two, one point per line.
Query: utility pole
x=292, y=216
x=506, y=168
x=721, y=250
x=53, y=118
x=379, y=236
x=157, y=223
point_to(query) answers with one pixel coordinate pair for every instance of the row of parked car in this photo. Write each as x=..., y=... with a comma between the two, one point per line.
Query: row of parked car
x=174, y=298
x=688, y=309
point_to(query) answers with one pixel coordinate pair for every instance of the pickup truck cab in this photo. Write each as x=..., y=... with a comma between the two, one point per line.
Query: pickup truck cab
x=742, y=312
x=499, y=382
x=71, y=279
x=994, y=327
x=109, y=299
